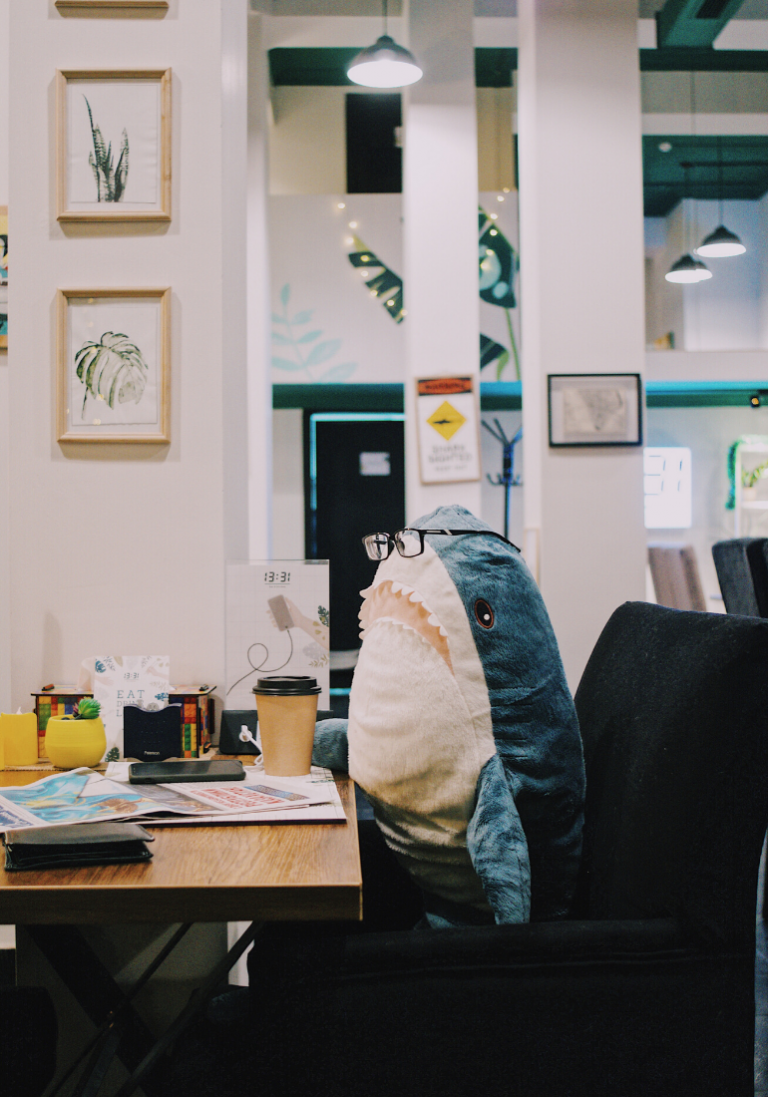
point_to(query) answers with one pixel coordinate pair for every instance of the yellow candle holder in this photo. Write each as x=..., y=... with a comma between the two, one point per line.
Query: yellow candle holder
x=19, y=735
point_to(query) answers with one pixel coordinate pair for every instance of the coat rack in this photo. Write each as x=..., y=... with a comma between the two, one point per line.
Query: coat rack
x=507, y=479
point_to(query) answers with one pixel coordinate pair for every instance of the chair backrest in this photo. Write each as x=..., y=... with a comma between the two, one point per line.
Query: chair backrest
x=675, y=575
x=673, y=708
x=742, y=573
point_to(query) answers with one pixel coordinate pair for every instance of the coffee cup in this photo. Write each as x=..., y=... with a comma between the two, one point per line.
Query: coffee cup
x=287, y=711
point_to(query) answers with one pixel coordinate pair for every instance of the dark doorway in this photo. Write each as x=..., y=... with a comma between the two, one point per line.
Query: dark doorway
x=354, y=485
x=374, y=158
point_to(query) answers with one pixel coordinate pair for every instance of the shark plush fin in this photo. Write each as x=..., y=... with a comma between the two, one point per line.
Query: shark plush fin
x=498, y=848
x=331, y=747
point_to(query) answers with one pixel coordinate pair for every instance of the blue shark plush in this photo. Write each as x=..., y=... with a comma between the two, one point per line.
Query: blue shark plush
x=462, y=731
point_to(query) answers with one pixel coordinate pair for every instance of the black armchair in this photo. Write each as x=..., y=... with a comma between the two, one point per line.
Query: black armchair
x=647, y=991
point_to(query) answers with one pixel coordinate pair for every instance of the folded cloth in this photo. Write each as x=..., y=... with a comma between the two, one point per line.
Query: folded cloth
x=76, y=844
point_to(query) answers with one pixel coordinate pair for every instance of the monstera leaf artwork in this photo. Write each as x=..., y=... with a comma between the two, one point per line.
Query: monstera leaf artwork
x=498, y=267
x=380, y=281
x=112, y=369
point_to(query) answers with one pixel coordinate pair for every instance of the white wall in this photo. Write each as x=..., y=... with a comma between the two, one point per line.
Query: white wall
x=708, y=432
x=131, y=555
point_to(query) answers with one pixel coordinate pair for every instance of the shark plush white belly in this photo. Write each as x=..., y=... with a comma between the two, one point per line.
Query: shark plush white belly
x=462, y=731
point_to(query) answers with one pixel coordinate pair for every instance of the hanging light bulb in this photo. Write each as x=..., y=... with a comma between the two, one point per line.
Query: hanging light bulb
x=721, y=243
x=688, y=269
x=385, y=64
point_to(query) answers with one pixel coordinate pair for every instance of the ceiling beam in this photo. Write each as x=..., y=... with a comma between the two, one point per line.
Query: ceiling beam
x=693, y=23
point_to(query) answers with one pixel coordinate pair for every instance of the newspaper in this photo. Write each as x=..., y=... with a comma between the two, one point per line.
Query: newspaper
x=84, y=796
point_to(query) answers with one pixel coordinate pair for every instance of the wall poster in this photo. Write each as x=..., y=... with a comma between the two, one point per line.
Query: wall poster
x=277, y=622
x=448, y=429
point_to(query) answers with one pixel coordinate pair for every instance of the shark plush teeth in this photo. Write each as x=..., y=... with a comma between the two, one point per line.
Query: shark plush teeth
x=462, y=731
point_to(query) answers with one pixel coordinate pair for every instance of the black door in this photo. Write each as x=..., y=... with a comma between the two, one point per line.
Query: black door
x=355, y=484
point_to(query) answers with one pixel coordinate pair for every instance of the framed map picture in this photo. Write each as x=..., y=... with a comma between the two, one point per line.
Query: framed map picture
x=3, y=277
x=113, y=139
x=113, y=365
x=97, y=7
x=595, y=409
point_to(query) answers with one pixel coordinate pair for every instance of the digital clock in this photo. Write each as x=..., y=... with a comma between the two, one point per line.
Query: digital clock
x=277, y=576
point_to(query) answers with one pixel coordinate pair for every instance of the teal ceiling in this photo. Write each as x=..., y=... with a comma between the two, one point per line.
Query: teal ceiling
x=743, y=170
x=327, y=67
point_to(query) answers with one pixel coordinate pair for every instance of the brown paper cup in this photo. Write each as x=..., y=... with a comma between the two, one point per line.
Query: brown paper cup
x=287, y=709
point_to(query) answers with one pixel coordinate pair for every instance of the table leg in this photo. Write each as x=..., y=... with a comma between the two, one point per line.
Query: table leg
x=196, y=1005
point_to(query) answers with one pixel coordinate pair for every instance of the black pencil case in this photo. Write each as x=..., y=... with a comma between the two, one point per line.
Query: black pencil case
x=77, y=844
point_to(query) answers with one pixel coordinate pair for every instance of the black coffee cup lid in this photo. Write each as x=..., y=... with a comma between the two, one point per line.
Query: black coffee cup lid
x=286, y=685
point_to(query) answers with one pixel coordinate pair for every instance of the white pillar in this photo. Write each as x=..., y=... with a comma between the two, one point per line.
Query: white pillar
x=440, y=224
x=582, y=300
x=259, y=327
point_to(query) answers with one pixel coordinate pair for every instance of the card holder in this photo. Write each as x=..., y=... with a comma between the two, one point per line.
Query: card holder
x=73, y=845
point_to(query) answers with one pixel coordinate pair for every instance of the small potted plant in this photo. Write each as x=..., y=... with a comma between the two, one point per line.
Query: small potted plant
x=79, y=739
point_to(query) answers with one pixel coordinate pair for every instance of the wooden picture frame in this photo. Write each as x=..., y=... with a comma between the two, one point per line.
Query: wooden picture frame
x=3, y=278
x=87, y=7
x=595, y=409
x=113, y=357
x=98, y=113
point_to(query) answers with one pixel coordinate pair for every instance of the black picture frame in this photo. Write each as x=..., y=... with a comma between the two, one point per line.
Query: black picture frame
x=595, y=409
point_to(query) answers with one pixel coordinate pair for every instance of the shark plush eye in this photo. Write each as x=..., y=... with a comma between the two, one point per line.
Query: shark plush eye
x=483, y=613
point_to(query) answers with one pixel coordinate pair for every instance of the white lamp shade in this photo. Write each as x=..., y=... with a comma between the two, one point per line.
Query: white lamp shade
x=720, y=244
x=688, y=269
x=384, y=65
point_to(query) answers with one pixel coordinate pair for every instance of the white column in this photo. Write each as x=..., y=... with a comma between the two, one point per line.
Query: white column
x=440, y=224
x=582, y=299
x=259, y=327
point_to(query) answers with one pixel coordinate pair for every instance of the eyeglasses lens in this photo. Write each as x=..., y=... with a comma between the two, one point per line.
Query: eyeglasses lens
x=408, y=542
x=377, y=546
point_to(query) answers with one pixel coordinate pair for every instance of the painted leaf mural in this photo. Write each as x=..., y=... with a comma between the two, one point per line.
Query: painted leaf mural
x=498, y=266
x=379, y=280
x=112, y=369
x=110, y=179
x=307, y=348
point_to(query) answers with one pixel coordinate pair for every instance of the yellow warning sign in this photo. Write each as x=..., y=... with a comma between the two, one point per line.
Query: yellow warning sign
x=446, y=420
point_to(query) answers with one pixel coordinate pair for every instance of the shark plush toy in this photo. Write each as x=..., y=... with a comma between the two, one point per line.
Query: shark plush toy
x=461, y=730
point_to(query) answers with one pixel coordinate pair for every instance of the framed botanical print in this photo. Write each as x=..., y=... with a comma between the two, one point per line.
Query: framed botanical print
x=113, y=139
x=595, y=409
x=113, y=365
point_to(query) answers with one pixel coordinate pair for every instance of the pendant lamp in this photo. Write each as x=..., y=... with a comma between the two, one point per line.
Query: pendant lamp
x=722, y=242
x=687, y=269
x=384, y=64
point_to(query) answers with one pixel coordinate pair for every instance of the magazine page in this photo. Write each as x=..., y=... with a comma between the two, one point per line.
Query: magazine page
x=77, y=796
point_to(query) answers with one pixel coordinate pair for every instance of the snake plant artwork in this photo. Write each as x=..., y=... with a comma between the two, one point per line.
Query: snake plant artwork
x=498, y=267
x=306, y=349
x=112, y=370
x=110, y=180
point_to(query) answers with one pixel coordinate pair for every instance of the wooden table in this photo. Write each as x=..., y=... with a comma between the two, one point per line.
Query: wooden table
x=263, y=872
x=258, y=873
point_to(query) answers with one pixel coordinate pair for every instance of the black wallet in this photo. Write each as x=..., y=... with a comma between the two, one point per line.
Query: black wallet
x=76, y=844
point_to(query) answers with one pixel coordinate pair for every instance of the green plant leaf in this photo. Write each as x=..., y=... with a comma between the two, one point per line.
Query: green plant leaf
x=285, y=295
x=501, y=363
x=498, y=264
x=309, y=337
x=302, y=317
x=282, y=339
x=112, y=369
x=285, y=363
x=490, y=351
x=322, y=351
x=385, y=284
x=279, y=319
x=338, y=373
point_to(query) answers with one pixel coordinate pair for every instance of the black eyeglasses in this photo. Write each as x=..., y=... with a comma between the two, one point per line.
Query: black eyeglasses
x=410, y=542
